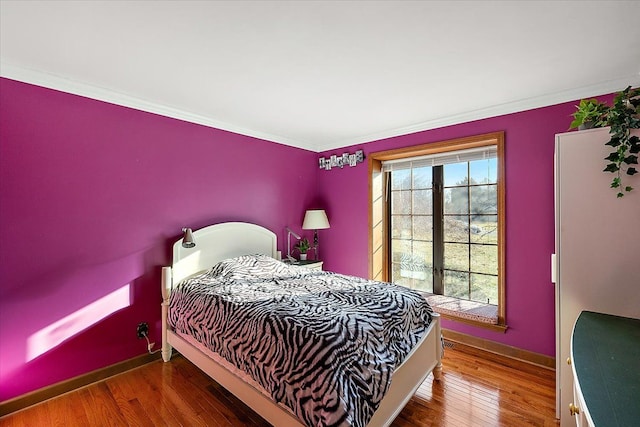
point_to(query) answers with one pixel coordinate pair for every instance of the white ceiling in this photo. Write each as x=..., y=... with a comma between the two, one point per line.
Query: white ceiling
x=324, y=74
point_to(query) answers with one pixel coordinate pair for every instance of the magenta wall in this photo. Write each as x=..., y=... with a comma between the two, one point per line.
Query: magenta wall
x=92, y=196
x=529, y=150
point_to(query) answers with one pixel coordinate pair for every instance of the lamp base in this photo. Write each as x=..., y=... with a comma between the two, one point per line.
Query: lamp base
x=316, y=246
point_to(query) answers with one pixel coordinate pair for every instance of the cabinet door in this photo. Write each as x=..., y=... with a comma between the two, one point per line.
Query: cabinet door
x=597, y=244
x=579, y=416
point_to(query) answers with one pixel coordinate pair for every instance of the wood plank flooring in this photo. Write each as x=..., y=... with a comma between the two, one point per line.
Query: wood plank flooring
x=477, y=389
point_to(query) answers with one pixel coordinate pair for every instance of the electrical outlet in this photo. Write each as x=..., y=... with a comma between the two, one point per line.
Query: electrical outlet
x=142, y=330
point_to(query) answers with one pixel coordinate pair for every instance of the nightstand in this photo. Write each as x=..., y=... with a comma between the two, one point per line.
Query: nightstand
x=313, y=264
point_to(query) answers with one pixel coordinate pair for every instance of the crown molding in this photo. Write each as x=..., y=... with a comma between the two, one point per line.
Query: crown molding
x=52, y=81
x=602, y=88
x=63, y=84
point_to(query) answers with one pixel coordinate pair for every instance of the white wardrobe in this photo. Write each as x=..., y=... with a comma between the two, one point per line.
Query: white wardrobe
x=597, y=262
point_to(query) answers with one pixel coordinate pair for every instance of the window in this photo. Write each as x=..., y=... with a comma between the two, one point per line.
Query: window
x=437, y=224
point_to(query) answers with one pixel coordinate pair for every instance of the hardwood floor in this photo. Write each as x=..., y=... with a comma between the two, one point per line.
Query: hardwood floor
x=477, y=389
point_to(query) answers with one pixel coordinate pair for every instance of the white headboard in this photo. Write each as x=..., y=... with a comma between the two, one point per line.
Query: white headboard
x=221, y=241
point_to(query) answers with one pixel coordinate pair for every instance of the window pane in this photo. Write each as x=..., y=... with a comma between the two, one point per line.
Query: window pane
x=401, y=180
x=484, y=259
x=414, y=266
x=423, y=227
x=484, y=199
x=483, y=171
x=456, y=284
x=456, y=256
x=484, y=288
x=399, y=248
x=456, y=228
x=423, y=202
x=401, y=226
x=484, y=229
x=401, y=202
x=422, y=177
x=424, y=250
x=426, y=284
x=396, y=277
x=456, y=200
x=455, y=174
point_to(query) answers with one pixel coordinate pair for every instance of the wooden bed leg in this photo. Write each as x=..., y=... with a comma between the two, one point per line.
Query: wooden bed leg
x=166, y=286
x=166, y=347
x=166, y=352
x=437, y=372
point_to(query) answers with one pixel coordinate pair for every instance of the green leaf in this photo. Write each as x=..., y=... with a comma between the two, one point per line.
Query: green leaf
x=614, y=141
x=611, y=167
x=612, y=157
x=628, y=188
x=632, y=171
x=615, y=183
x=620, y=195
x=631, y=160
x=575, y=123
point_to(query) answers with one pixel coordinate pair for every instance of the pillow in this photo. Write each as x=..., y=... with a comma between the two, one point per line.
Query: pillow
x=250, y=266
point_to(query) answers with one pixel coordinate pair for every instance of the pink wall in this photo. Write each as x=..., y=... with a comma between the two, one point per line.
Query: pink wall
x=92, y=196
x=529, y=154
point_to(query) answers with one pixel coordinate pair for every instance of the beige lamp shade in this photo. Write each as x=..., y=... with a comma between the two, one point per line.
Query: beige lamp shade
x=315, y=219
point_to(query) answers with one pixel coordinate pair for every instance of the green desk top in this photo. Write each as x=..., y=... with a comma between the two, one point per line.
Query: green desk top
x=606, y=359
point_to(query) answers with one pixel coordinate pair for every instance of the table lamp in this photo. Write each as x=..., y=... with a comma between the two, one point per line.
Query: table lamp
x=315, y=219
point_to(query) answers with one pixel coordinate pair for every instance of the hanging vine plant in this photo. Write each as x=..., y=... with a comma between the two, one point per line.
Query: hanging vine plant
x=623, y=116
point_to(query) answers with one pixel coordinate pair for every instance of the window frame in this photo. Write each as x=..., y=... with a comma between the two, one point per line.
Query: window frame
x=379, y=209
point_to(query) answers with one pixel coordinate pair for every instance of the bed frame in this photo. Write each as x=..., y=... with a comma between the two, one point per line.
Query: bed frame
x=217, y=242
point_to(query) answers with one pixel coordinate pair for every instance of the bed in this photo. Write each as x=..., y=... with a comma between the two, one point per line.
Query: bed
x=226, y=244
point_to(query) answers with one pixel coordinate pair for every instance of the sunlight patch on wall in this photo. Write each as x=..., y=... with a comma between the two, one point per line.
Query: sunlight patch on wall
x=56, y=333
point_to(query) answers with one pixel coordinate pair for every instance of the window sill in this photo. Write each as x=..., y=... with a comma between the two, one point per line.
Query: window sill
x=465, y=311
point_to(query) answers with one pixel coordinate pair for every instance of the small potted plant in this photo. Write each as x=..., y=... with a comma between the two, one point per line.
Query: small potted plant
x=589, y=114
x=302, y=246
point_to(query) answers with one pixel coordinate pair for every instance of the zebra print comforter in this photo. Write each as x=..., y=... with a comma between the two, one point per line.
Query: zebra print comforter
x=323, y=344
